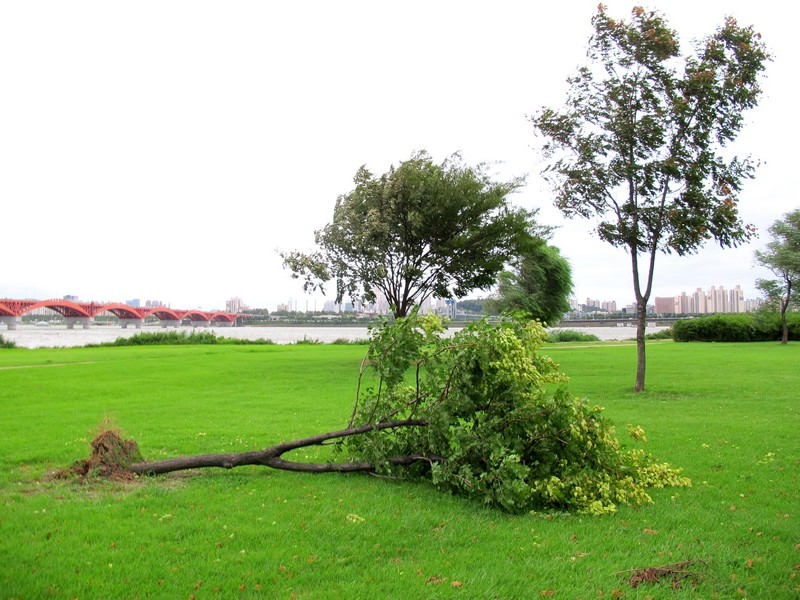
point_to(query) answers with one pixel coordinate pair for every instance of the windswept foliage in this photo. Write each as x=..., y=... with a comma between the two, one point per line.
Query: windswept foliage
x=421, y=229
x=539, y=284
x=500, y=424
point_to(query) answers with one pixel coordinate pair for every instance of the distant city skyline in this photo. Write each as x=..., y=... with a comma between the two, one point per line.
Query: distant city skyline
x=716, y=298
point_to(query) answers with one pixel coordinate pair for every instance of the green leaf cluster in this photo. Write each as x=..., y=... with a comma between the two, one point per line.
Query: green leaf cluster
x=500, y=425
x=420, y=229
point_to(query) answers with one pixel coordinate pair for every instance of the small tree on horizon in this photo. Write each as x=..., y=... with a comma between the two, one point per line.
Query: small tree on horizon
x=782, y=257
x=638, y=146
x=539, y=284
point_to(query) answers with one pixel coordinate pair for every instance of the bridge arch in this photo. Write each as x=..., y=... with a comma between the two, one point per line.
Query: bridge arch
x=121, y=311
x=83, y=312
x=162, y=312
x=66, y=308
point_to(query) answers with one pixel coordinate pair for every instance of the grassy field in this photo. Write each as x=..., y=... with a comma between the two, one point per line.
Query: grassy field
x=726, y=413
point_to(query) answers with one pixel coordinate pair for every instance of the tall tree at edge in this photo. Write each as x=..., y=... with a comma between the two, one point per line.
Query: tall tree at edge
x=639, y=145
x=782, y=256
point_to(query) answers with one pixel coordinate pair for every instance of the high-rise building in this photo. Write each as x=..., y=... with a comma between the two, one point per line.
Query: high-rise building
x=736, y=300
x=718, y=300
x=665, y=306
x=699, y=302
x=235, y=305
x=752, y=304
x=683, y=304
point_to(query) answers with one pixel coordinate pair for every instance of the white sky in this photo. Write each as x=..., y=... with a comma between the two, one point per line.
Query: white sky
x=166, y=149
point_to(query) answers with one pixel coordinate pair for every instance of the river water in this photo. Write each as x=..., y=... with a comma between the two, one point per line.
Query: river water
x=58, y=336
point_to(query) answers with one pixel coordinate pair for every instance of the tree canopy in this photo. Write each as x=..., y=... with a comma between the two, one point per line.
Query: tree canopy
x=639, y=145
x=419, y=230
x=782, y=257
x=539, y=284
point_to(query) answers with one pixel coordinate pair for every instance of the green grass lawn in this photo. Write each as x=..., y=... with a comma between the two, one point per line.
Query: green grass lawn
x=726, y=413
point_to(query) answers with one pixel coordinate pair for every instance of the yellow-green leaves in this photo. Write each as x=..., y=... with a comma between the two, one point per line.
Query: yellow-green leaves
x=497, y=426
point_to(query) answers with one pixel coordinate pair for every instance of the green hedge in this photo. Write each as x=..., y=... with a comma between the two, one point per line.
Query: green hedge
x=174, y=338
x=750, y=327
x=569, y=335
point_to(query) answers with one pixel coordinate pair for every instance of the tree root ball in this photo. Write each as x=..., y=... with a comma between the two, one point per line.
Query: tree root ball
x=110, y=458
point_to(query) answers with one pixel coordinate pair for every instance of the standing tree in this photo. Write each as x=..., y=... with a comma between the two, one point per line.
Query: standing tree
x=638, y=144
x=539, y=284
x=421, y=229
x=782, y=257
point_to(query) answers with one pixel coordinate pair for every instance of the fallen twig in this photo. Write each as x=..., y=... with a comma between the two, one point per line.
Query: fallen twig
x=676, y=572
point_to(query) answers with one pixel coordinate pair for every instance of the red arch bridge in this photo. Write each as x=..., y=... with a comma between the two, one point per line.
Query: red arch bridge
x=82, y=313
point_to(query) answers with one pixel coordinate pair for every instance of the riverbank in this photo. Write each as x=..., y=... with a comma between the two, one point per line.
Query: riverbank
x=58, y=336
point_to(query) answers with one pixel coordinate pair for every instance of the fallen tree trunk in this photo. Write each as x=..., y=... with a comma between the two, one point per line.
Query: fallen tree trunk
x=271, y=457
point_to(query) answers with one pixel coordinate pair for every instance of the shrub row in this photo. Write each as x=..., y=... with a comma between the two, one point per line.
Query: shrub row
x=750, y=327
x=171, y=338
x=569, y=335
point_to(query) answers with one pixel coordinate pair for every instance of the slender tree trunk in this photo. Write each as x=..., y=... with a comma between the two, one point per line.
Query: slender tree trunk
x=641, y=356
x=784, y=308
x=641, y=323
x=784, y=324
x=641, y=312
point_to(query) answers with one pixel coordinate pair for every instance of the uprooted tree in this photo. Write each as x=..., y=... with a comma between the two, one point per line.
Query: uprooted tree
x=480, y=413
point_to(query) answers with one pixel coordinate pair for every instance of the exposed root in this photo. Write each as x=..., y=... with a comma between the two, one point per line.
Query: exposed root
x=110, y=459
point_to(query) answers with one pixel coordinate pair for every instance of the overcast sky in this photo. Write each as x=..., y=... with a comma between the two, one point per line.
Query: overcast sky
x=166, y=150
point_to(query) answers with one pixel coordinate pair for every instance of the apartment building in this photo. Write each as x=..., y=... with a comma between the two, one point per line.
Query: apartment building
x=715, y=300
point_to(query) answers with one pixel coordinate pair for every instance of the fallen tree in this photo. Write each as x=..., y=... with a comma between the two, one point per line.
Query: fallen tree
x=481, y=414
x=271, y=457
